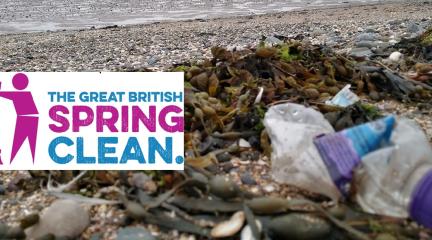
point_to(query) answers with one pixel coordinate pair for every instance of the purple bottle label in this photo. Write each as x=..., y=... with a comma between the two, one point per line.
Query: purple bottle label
x=340, y=158
x=420, y=208
x=342, y=151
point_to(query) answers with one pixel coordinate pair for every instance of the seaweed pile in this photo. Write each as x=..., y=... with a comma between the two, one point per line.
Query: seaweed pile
x=226, y=98
x=225, y=102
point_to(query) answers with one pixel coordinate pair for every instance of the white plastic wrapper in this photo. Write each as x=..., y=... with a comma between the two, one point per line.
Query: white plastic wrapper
x=295, y=160
x=344, y=98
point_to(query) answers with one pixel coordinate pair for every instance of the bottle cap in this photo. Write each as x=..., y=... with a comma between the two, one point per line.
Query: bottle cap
x=420, y=208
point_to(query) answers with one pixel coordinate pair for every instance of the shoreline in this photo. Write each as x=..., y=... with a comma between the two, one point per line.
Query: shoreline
x=37, y=22
x=160, y=45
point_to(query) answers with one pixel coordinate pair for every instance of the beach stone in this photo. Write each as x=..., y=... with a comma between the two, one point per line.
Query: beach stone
x=134, y=233
x=413, y=27
x=64, y=218
x=367, y=44
x=224, y=157
x=143, y=182
x=362, y=52
x=370, y=30
x=227, y=167
x=272, y=41
x=247, y=179
x=153, y=60
x=383, y=45
x=366, y=36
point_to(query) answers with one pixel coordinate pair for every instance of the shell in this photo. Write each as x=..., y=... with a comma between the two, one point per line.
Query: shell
x=230, y=227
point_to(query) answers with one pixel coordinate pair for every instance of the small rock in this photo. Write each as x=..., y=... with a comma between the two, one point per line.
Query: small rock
x=64, y=218
x=395, y=57
x=153, y=60
x=370, y=30
x=134, y=233
x=361, y=53
x=367, y=36
x=227, y=167
x=413, y=28
x=143, y=182
x=367, y=44
x=269, y=188
x=272, y=41
x=243, y=143
x=230, y=227
x=247, y=179
x=250, y=155
x=224, y=157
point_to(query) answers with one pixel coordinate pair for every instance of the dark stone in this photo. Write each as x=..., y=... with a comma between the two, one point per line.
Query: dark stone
x=224, y=157
x=361, y=53
x=250, y=155
x=366, y=37
x=247, y=179
x=227, y=167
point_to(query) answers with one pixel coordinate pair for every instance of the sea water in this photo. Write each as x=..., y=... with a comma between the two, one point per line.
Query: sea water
x=42, y=15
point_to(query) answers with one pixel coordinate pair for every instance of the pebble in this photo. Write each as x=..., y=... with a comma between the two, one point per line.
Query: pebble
x=272, y=41
x=269, y=188
x=224, y=157
x=143, y=182
x=361, y=53
x=64, y=218
x=366, y=36
x=413, y=28
x=395, y=57
x=247, y=179
x=227, y=167
x=243, y=143
x=367, y=44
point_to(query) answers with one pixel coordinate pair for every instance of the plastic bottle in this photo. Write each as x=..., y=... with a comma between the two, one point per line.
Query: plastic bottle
x=397, y=180
x=387, y=163
x=392, y=165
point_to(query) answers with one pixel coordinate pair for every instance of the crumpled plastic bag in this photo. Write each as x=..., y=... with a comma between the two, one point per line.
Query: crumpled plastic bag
x=295, y=160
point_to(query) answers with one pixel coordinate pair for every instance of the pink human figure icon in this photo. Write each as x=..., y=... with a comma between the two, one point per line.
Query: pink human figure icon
x=27, y=120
